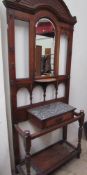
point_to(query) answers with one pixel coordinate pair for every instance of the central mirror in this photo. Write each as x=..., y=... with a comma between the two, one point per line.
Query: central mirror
x=44, y=48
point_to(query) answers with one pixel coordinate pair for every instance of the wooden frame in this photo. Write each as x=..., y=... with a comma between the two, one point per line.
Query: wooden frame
x=31, y=11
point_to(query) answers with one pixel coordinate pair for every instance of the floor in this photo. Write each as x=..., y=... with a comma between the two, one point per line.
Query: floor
x=76, y=166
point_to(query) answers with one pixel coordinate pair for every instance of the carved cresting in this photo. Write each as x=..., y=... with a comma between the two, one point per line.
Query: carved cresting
x=31, y=6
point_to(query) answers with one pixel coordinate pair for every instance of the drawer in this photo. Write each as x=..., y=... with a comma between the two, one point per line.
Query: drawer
x=51, y=121
x=50, y=114
x=58, y=119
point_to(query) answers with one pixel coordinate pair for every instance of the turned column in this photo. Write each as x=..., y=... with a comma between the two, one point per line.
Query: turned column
x=65, y=133
x=81, y=121
x=27, y=145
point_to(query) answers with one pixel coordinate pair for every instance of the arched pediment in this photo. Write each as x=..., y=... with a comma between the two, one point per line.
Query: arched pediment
x=58, y=7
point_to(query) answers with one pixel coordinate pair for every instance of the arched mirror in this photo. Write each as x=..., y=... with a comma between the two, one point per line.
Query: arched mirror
x=44, y=48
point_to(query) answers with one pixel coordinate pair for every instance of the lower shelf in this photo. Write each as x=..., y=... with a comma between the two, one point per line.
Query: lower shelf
x=49, y=159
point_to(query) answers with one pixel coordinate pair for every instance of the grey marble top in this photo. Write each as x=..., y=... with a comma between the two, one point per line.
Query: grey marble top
x=50, y=110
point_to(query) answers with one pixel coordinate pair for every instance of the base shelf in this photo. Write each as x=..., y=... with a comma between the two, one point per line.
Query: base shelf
x=49, y=159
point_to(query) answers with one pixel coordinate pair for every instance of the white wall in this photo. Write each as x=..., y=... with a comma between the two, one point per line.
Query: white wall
x=4, y=146
x=78, y=88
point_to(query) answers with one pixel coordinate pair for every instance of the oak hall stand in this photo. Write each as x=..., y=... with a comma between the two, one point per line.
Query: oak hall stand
x=47, y=24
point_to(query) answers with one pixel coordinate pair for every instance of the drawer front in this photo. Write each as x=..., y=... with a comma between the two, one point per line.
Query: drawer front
x=59, y=119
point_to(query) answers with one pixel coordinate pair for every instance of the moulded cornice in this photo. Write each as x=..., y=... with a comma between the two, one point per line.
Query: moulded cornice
x=58, y=7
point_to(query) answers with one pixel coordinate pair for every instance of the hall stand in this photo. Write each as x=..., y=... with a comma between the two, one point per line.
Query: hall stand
x=53, y=22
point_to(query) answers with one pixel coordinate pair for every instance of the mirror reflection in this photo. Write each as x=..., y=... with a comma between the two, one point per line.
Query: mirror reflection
x=44, y=48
